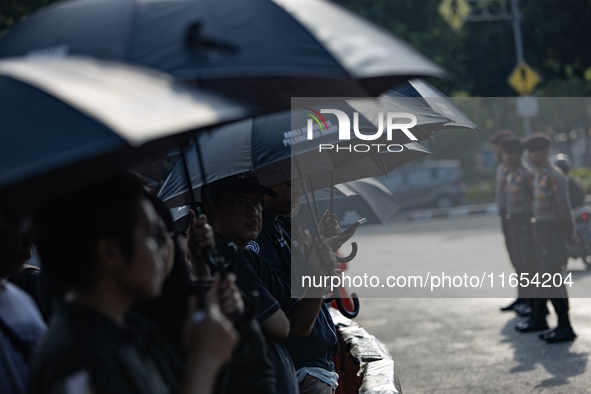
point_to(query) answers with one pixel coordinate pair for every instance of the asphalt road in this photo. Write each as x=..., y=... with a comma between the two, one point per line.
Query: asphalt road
x=464, y=345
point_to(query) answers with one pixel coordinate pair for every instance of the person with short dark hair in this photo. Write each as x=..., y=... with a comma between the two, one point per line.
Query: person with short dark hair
x=501, y=198
x=553, y=228
x=238, y=203
x=104, y=248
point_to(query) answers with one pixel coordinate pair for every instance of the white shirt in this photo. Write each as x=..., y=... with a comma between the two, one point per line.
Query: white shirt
x=19, y=312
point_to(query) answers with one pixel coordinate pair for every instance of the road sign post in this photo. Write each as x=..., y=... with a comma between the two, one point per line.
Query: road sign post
x=454, y=12
x=457, y=12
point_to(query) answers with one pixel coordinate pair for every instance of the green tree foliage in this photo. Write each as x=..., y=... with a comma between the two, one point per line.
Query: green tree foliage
x=13, y=11
x=482, y=54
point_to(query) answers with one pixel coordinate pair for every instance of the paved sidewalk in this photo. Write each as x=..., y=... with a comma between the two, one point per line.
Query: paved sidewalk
x=464, y=345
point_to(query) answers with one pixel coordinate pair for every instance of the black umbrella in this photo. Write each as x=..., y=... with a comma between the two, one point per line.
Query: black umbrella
x=263, y=51
x=271, y=143
x=364, y=198
x=67, y=122
x=423, y=92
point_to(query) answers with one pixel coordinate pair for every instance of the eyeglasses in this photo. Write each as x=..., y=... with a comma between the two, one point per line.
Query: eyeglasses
x=244, y=205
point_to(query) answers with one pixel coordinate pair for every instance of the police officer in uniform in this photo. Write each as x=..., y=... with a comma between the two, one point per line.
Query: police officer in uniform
x=501, y=199
x=554, y=227
x=518, y=191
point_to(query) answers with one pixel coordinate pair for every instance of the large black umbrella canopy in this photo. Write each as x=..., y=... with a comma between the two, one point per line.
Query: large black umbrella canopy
x=371, y=112
x=423, y=92
x=67, y=122
x=235, y=148
x=365, y=198
x=273, y=141
x=373, y=165
x=263, y=51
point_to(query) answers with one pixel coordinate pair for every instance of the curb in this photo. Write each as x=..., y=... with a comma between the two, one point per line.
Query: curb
x=463, y=210
x=375, y=365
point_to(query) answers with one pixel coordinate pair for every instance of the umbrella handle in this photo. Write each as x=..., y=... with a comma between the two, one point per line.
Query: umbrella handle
x=204, y=45
x=350, y=256
x=220, y=263
x=352, y=314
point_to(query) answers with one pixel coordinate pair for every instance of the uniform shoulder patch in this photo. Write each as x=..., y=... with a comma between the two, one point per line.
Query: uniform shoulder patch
x=252, y=245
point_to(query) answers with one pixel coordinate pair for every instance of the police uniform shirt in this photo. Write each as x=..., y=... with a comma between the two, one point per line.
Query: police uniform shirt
x=501, y=179
x=551, y=198
x=518, y=190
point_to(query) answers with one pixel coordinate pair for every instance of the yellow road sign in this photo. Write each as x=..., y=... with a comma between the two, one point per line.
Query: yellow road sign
x=523, y=79
x=454, y=12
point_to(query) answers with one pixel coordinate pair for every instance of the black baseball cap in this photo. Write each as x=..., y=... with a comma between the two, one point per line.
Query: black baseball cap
x=245, y=182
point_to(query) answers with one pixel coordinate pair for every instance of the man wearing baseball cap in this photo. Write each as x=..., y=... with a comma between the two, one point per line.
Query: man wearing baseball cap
x=553, y=227
x=237, y=203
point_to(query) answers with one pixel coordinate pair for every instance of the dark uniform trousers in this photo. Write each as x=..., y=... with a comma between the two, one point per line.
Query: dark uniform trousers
x=521, y=245
x=552, y=254
x=513, y=255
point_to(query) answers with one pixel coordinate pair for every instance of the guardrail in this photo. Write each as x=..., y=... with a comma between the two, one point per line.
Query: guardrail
x=364, y=364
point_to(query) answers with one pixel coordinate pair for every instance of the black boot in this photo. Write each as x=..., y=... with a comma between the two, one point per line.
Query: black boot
x=524, y=309
x=564, y=331
x=511, y=307
x=543, y=334
x=537, y=320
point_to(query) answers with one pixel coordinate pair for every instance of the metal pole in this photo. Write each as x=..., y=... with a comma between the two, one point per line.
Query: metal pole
x=192, y=198
x=331, y=191
x=306, y=196
x=519, y=51
x=313, y=197
x=517, y=31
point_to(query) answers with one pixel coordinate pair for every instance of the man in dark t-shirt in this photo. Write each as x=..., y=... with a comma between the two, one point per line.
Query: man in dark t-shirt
x=277, y=245
x=237, y=204
x=93, y=344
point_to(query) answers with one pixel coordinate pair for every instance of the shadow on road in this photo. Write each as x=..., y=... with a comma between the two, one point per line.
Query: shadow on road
x=557, y=358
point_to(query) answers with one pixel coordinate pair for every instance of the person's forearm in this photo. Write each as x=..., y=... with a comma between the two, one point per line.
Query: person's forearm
x=304, y=315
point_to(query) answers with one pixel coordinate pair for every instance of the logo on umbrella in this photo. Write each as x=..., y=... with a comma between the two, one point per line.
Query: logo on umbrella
x=317, y=121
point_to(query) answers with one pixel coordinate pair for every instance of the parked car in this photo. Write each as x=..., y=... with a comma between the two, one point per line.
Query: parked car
x=434, y=183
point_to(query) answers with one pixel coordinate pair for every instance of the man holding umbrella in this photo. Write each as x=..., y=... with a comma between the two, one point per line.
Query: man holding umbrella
x=278, y=246
x=237, y=204
x=116, y=258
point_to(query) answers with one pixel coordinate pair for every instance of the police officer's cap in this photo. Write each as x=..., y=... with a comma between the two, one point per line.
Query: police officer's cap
x=537, y=142
x=498, y=136
x=512, y=145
